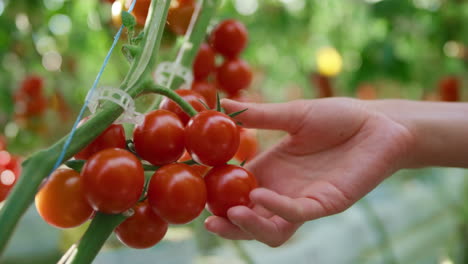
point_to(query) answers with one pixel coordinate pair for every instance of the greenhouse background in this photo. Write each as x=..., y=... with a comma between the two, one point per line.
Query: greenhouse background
x=298, y=49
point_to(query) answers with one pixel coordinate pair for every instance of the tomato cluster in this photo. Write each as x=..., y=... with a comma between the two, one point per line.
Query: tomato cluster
x=29, y=98
x=10, y=169
x=112, y=180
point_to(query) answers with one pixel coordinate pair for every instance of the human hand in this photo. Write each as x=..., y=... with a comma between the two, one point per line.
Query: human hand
x=336, y=152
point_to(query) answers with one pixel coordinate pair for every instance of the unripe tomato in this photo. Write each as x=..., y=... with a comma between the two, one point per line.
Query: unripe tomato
x=189, y=96
x=449, y=89
x=204, y=62
x=113, y=180
x=207, y=90
x=10, y=169
x=234, y=75
x=160, y=139
x=61, y=201
x=112, y=137
x=179, y=16
x=140, y=11
x=228, y=186
x=201, y=169
x=211, y=138
x=248, y=145
x=177, y=193
x=143, y=229
x=229, y=38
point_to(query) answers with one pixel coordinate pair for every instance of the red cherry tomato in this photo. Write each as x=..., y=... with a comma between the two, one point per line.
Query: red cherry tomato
x=207, y=90
x=449, y=89
x=204, y=62
x=177, y=193
x=248, y=146
x=191, y=97
x=179, y=15
x=10, y=169
x=211, y=138
x=160, y=139
x=113, y=180
x=201, y=169
x=3, y=143
x=228, y=186
x=61, y=201
x=233, y=76
x=229, y=38
x=32, y=86
x=143, y=229
x=112, y=137
x=140, y=11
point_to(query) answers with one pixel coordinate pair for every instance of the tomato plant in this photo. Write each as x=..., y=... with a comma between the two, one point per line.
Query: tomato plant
x=191, y=97
x=204, y=62
x=207, y=90
x=160, y=139
x=113, y=180
x=177, y=193
x=229, y=38
x=248, y=145
x=143, y=229
x=228, y=186
x=112, y=137
x=211, y=138
x=234, y=75
x=61, y=201
x=179, y=15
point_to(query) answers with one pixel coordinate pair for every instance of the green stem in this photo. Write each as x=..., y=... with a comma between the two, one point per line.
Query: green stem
x=96, y=235
x=39, y=166
x=197, y=37
x=155, y=88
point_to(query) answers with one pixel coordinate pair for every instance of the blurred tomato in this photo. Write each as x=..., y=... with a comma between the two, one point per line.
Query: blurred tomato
x=366, y=92
x=180, y=13
x=449, y=89
x=322, y=85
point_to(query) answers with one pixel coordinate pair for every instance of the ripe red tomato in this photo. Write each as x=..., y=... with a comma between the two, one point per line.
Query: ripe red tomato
x=140, y=11
x=10, y=169
x=191, y=97
x=160, y=139
x=113, y=180
x=248, y=146
x=233, y=76
x=32, y=86
x=211, y=138
x=204, y=62
x=201, y=169
x=112, y=137
x=143, y=229
x=228, y=186
x=229, y=38
x=449, y=89
x=177, y=193
x=207, y=90
x=61, y=201
x=179, y=15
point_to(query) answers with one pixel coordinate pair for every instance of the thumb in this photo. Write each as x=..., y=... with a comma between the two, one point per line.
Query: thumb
x=287, y=116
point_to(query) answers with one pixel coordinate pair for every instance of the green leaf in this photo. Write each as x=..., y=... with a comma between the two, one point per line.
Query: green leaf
x=75, y=164
x=128, y=20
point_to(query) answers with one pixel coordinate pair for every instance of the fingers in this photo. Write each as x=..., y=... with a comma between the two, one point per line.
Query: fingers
x=296, y=210
x=224, y=228
x=272, y=231
x=283, y=116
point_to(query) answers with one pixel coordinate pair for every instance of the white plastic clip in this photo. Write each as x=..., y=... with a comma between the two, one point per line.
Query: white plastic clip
x=167, y=70
x=119, y=97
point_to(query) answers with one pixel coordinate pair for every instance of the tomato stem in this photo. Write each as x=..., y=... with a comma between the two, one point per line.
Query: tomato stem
x=96, y=235
x=39, y=166
x=155, y=88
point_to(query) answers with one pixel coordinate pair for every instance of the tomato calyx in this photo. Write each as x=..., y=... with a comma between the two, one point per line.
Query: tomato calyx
x=237, y=113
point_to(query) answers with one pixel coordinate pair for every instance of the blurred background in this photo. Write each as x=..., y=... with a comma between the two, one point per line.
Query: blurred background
x=369, y=49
